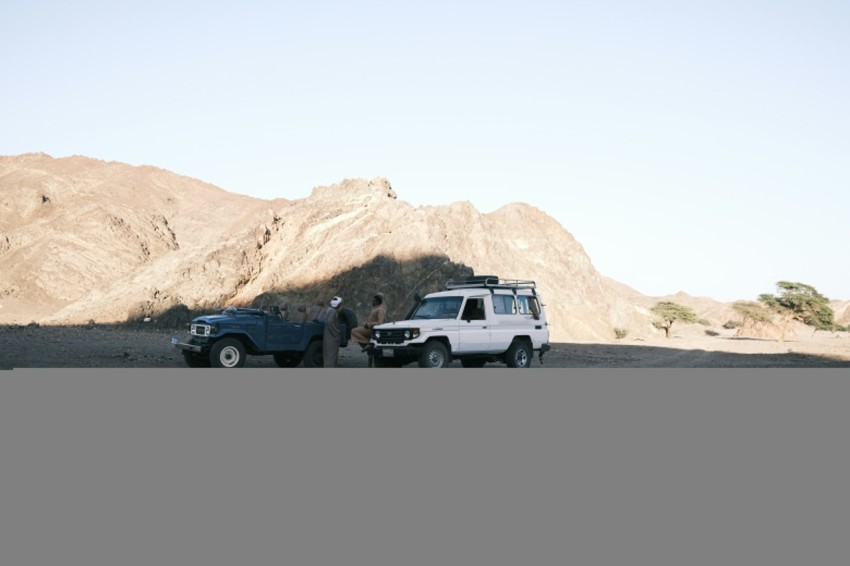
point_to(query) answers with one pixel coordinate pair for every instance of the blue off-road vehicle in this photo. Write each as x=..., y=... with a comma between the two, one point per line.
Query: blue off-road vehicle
x=223, y=340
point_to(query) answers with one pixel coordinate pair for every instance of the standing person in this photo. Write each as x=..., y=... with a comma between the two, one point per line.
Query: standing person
x=330, y=340
x=300, y=314
x=377, y=315
x=314, y=311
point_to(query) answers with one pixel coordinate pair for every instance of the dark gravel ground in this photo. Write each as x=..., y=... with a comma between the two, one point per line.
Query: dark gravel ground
x=98, y=346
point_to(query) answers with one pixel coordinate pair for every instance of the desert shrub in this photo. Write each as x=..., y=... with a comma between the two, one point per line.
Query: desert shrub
x=731, y=324
x=704, y=322
x=710, y=332
x=620, y=333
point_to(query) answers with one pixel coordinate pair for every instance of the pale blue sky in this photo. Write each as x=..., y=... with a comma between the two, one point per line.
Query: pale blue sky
x=695, y=146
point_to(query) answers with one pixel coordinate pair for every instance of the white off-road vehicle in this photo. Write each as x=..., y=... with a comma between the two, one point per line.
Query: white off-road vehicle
x=477, y=320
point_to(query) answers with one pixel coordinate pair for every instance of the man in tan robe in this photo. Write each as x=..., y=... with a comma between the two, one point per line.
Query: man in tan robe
x=377, y=315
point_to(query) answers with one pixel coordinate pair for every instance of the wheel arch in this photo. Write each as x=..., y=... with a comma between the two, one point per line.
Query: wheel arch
x=444, y=340
x=248, y=343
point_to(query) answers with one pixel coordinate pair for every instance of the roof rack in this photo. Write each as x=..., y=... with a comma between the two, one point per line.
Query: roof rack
x=490, y=282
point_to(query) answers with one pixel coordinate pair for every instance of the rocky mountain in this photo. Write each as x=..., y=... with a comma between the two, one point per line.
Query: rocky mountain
x=85, y=240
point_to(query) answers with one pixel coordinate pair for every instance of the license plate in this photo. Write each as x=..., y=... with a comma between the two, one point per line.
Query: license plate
x=388, y=352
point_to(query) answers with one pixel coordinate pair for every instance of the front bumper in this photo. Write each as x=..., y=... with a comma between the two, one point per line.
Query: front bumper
x=185, y=345
x=384, y=351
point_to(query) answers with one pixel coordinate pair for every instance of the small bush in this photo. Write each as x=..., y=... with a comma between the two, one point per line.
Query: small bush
x=704, y=322
x=620, y=333
x=731, y=324
x=711, y=332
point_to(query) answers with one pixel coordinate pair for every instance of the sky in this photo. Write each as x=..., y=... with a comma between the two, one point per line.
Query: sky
x=701, y=147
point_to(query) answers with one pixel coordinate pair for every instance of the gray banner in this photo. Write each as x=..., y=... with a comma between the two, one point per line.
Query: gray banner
x=401, y=467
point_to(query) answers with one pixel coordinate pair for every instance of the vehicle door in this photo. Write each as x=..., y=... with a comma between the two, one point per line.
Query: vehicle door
x=506, y=322
x=282, y=335
x=474, y=335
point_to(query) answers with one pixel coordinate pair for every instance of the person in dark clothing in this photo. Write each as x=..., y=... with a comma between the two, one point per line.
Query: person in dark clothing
x=330, y=340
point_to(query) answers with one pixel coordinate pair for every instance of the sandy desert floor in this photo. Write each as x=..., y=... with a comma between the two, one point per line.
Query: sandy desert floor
x=108, y=347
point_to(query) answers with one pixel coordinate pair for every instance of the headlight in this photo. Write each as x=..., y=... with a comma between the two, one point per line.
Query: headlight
x=407, y=335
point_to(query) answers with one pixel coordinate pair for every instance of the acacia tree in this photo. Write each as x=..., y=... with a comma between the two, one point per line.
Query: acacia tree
x=754, y=311
x=800, y=302
x=671, y=312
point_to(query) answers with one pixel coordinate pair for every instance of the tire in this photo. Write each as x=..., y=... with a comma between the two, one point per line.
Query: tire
x=313, y=355
x=434, y=355
x=287, y=359
x=194, y=360
x=473, y=362
x=227, y=353
x=519, y=354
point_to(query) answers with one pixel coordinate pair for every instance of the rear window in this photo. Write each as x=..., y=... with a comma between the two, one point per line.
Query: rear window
x=528, y=305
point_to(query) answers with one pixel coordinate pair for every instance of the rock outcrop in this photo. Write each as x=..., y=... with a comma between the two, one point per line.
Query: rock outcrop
x=82, y=240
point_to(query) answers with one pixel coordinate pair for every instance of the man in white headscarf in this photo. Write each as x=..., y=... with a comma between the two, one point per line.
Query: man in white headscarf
x=330, y=340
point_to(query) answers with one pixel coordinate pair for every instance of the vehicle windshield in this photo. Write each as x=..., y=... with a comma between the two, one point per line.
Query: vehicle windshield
x=438, y=307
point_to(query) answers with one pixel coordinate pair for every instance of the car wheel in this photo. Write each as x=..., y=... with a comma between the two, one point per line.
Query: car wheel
x=519, y=354
x=227, y=353
x=434, y=355
x=287, y=359
x=313, y=355
x=473, y=362
x=194, y=360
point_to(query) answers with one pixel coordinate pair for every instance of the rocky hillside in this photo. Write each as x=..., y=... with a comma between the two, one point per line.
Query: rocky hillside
x=82, y=240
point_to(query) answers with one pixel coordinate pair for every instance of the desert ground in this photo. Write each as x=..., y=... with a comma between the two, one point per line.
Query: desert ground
x=96, y=346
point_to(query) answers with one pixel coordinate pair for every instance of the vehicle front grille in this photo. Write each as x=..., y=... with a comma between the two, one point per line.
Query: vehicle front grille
x=395, y=336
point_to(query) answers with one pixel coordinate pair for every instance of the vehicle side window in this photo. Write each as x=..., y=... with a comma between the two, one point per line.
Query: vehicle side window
x=474, y=309
x=529, y=305
x=504, y=304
